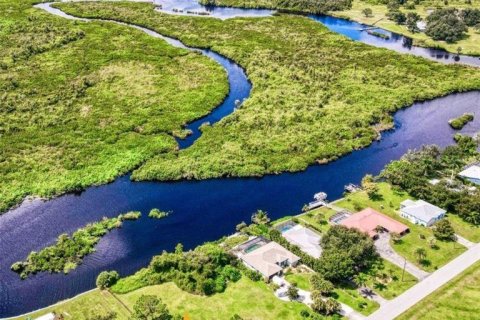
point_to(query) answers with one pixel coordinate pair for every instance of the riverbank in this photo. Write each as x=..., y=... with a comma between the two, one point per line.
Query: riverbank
x=470, y=45
x=69, y=123
x=252, y=143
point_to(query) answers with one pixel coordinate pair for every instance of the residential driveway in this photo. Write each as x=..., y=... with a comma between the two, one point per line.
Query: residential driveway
x=464, y=242
x=386, y=252
x=409, y=298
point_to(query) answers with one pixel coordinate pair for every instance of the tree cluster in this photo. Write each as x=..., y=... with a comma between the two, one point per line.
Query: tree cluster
x=446, y=24
x=205, y=270
x=414, y=170
x=346, y=252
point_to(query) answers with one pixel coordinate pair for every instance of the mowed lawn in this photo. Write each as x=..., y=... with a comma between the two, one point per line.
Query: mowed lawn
x=250, y=300
x=388, y=203
x=457, y=300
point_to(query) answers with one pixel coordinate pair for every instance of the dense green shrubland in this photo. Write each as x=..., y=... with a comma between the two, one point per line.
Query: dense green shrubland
x=68, y=252
x=306, y=6
x=316, y=95
x=205, y=270
x=414, y=170
x=81, y=103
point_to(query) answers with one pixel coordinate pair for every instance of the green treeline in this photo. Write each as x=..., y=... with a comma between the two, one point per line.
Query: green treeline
x=81, y=103
x=316, y=95
x=68, y=252
x=306, y=6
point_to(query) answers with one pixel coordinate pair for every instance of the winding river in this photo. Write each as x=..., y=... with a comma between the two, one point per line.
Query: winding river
x=202, y=210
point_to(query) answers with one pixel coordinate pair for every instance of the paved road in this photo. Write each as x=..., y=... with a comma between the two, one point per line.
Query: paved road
x=386, y=252
x=397, y=306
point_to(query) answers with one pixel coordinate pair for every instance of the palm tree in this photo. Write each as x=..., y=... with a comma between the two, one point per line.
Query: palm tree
x=260, y=217
x=421, y=254
x=360, y=280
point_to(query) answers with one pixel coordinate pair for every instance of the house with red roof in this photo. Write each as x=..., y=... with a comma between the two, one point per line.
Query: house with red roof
x=368, y=221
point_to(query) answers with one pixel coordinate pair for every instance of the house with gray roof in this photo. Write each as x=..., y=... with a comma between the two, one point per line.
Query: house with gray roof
x=471, y=173
x=268, y=258
x=421, y=212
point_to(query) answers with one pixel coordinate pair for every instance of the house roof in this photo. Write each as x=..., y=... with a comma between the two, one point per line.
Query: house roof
x=368, y=219
x=265, y=258
x=472, y=172
x=421, y=210
x=304, y=238
x=48, y=316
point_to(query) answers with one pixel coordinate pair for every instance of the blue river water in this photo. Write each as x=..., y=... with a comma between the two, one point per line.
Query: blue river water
x=202, y=210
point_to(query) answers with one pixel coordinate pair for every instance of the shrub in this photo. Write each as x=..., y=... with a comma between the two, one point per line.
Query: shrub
x=150, y=307
x=460, y=122
x=443, y=230
x=158, y=214
x=106, y=279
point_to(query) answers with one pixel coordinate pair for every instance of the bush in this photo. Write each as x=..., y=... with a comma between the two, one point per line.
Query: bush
x=321, y=285
x=443, y=230
x=460, y=122
x=157, y=214
x=106, y=279
x=149, y=307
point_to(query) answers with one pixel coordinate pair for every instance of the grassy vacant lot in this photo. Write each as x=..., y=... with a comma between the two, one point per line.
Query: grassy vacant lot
x=457, y=299
x=250, y=300
x=389, y=203
x=345, y=294
x=470, y=45
x=316, y=95
x=84, y=102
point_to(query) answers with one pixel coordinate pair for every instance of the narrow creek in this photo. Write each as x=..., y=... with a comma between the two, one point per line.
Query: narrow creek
x=202, y=210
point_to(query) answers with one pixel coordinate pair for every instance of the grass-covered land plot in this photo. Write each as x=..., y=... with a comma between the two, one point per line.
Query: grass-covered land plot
x=316, y=95
x=69, y=251
x=457, y=299
x=388, y=202
x=470, y=44
x=81, y=103
x=249, y=299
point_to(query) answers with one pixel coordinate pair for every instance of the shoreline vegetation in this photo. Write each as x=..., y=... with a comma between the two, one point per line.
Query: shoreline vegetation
x=460, y=122
x=68, y=252
x=187, y=289
x=355, y=11
x=67, y=122
x=158, y=214
x=289, y=6
x=251, y=142
x=470, y=44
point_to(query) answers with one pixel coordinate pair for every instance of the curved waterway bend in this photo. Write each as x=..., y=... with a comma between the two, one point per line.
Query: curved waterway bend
x=202, y=210
x=351, y=29
x=239, y=85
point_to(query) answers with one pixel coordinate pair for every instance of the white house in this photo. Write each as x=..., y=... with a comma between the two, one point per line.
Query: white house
x=421, y=212
x=471, y=173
